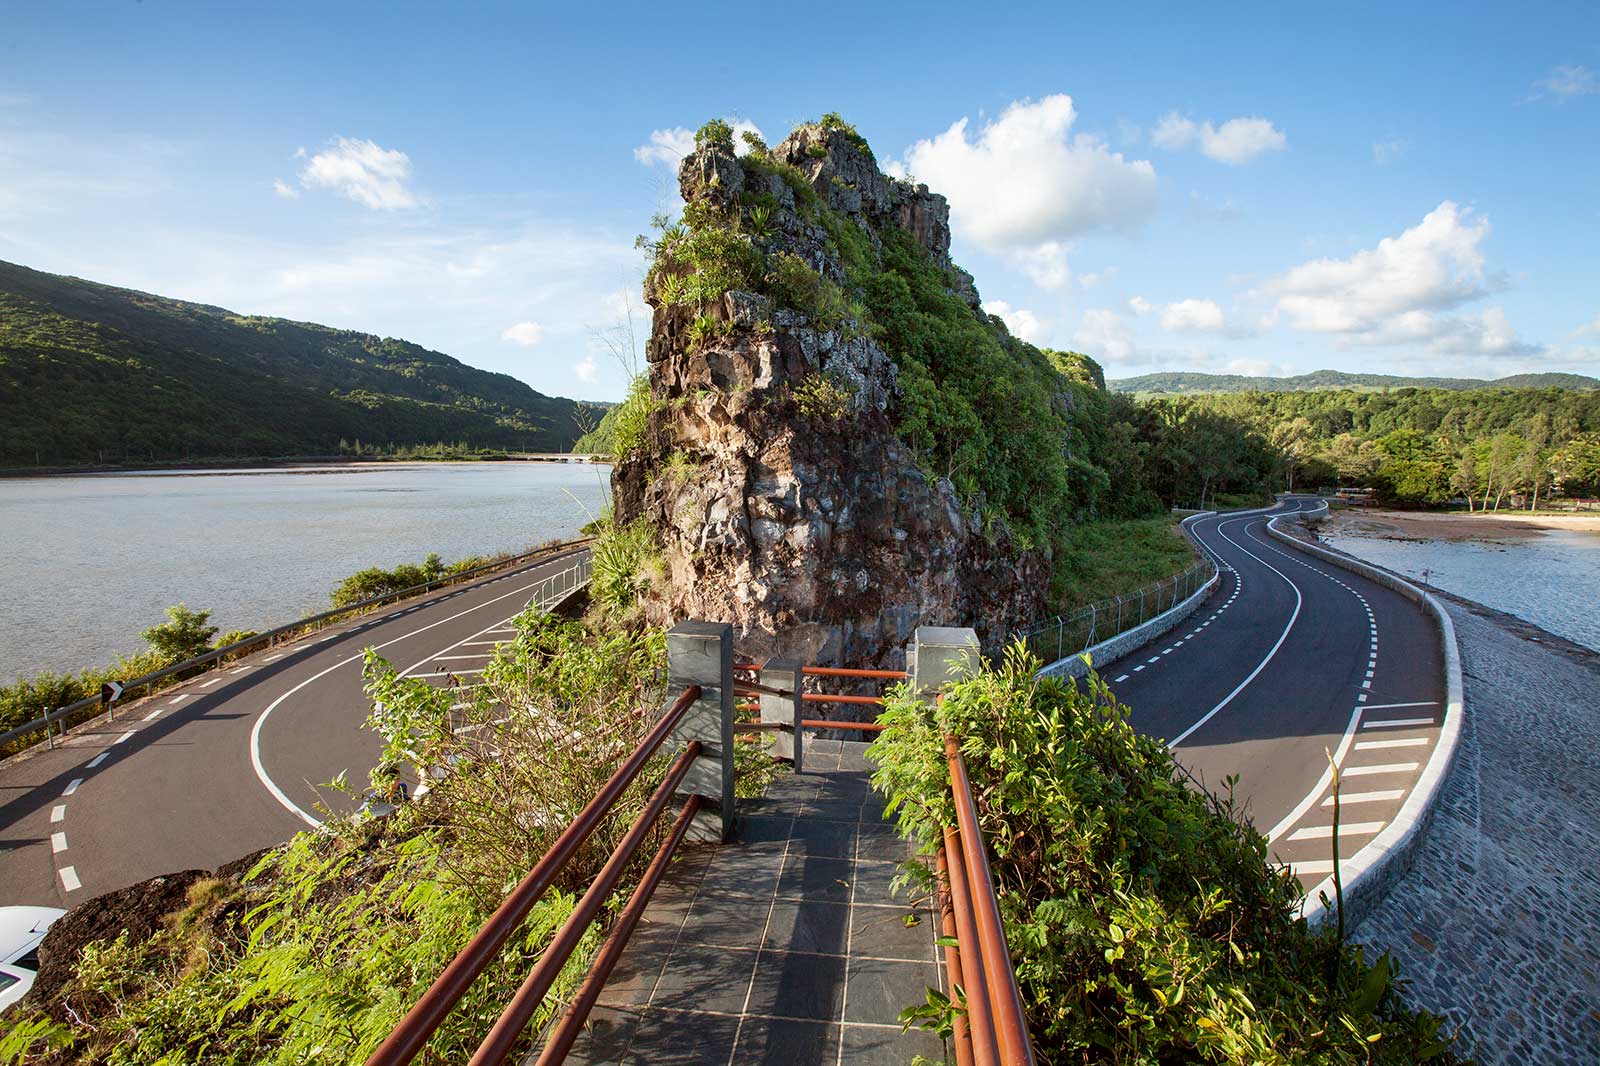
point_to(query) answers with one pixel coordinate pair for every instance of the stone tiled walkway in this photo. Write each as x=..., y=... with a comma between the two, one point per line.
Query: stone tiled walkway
x=786, y=946
x=1496, y=924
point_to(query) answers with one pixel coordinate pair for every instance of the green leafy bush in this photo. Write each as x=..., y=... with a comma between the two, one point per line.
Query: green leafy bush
x=819, y=396
x=631, y=419
x=1145, y=922
x=376, y=581
x=626, y=561
x=184, y=635
x=714, y=134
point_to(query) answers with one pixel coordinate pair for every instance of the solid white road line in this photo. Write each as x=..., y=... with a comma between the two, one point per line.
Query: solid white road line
x=69, y=879
x=470, y=643
x=58, y=812
x=58, y=842
x=1404, y=742
x=72, y=787
x=261, y=719
x=98, y=759
x=1381, y=768
x=1396, y=723
x=1298, y=600
x=1382, y=795
x=1347, y=829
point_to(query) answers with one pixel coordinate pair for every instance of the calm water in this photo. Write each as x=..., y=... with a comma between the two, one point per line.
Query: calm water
x=87, y=562
x=1551, y=579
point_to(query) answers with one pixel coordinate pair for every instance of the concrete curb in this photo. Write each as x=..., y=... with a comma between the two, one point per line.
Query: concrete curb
x=1133, y=639
x=1369, y=872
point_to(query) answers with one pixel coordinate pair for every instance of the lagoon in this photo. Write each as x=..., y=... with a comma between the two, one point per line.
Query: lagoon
x=88, y=561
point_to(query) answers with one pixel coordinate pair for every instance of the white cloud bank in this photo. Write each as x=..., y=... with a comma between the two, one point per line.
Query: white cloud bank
x=362, y=171
x=1565, y=83
x=1399, y=293
x=1235, y=142
x=1020, y=321
x=1024, y=187
x=526, y=334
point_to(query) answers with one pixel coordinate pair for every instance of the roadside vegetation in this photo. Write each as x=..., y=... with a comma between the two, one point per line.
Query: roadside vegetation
x=1117, y=556
x=318, y=948
x=1145, y=921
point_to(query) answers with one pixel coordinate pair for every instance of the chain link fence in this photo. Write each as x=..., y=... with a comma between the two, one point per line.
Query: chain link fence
x=1064, y=636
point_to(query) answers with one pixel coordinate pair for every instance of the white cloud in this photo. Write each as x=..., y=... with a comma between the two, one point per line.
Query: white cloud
x=1106, y=337
x=1192, y=316
x=526, y=334
x=1565, y=83
x=1024, y=187
x=1093, y=279
x=1140, y=306
x=362, y=171
x=669, y=146
x=285, y=190
x=1236, y=141
x=586, y=370
x=1385, y=152
x=1020, y=321
x=1590, y=327
x=1398, y=292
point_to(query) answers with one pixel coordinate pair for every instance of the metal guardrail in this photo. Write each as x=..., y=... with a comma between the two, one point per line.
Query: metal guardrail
x=61, y=716
x=1063, y=636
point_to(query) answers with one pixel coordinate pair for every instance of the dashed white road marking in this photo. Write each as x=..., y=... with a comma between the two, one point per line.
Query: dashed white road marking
x=58, y=812
x=1381, y=768
x=274, y=658
x=126, y=736
x=179, y=699
x=153, y=715
x=1124, y=677
x=58, y=842
x=1405, y=742
x=1312, y=866
x=474, y=655
x=72, y=787
x=1382, y=795
x=69, y=879
x=1391, y=706
x=98, y=759
x=1346, y=829
x=457, y=673
x=213, y=681
x=1136, y=669
x=1396, y=723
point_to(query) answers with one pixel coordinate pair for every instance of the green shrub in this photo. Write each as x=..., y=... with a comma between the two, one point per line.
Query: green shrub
x=820, y=397
x=632, y=419
x=626, y=562
x=1145, y=923
x=714, y=134
x=376, y=581
x=183, y=635
x=832, y=121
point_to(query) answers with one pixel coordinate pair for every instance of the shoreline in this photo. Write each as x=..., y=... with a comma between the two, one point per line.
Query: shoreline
x=297, y=465
x=1491, y=528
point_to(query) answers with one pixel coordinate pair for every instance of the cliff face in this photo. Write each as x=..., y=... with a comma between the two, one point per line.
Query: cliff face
x=782, y=497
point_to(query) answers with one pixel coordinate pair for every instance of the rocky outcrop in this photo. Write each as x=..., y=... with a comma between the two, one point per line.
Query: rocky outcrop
x=783, y=499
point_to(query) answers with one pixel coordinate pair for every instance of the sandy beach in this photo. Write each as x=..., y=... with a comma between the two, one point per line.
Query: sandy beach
x=1495, y=527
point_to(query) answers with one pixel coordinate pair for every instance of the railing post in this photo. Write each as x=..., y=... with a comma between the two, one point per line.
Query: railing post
x=788, y=742
x=701, y=653
x=939, y=654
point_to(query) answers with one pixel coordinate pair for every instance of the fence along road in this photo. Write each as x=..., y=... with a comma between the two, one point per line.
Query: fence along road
x=1289, y=660
x=201, y=774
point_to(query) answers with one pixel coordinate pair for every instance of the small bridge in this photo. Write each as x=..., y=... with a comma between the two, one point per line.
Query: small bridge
x=782, y=937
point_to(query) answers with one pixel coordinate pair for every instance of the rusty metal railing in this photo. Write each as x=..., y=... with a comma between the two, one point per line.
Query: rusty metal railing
x=425, y=1017
x=995, y=1027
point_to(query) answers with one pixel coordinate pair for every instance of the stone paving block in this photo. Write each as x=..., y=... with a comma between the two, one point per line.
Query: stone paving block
x=671, y=1038
x=795, y=985
x=883, y=932
x=878, y=990
x=817, y=877
x=787, y=1042
x=810, y=926
x=887, y=1046
x=698, y=977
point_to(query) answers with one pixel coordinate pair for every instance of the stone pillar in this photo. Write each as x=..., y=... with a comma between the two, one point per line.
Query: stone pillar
x=789, y=741
x=938, y=654
x=701, y=653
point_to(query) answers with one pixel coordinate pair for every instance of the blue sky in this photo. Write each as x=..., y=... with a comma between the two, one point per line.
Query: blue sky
x=1250, y=190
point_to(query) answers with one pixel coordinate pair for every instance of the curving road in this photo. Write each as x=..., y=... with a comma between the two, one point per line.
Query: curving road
x=230, y=762
x=1289, y=660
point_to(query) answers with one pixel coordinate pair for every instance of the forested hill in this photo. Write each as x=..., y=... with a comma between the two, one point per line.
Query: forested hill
x=1186, y=382
x=95, y=374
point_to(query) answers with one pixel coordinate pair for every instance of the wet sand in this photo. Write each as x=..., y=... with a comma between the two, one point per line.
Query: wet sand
x=1504, y=527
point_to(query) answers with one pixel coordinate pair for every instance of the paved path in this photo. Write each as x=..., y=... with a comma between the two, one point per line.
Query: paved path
x=1497, y=926
x=230, y=762
x=1290, y=659
x=786, y=946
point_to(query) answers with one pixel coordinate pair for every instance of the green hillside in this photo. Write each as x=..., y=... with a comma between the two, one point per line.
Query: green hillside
x=1187, y=382
x=95, y=374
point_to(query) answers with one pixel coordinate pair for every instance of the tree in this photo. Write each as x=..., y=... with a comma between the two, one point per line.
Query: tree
x=1465, y=479
x=1412, y=470
x=183, y=635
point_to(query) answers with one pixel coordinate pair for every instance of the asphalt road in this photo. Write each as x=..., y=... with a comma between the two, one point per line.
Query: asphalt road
x=230, y=762
x=1288, y=661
